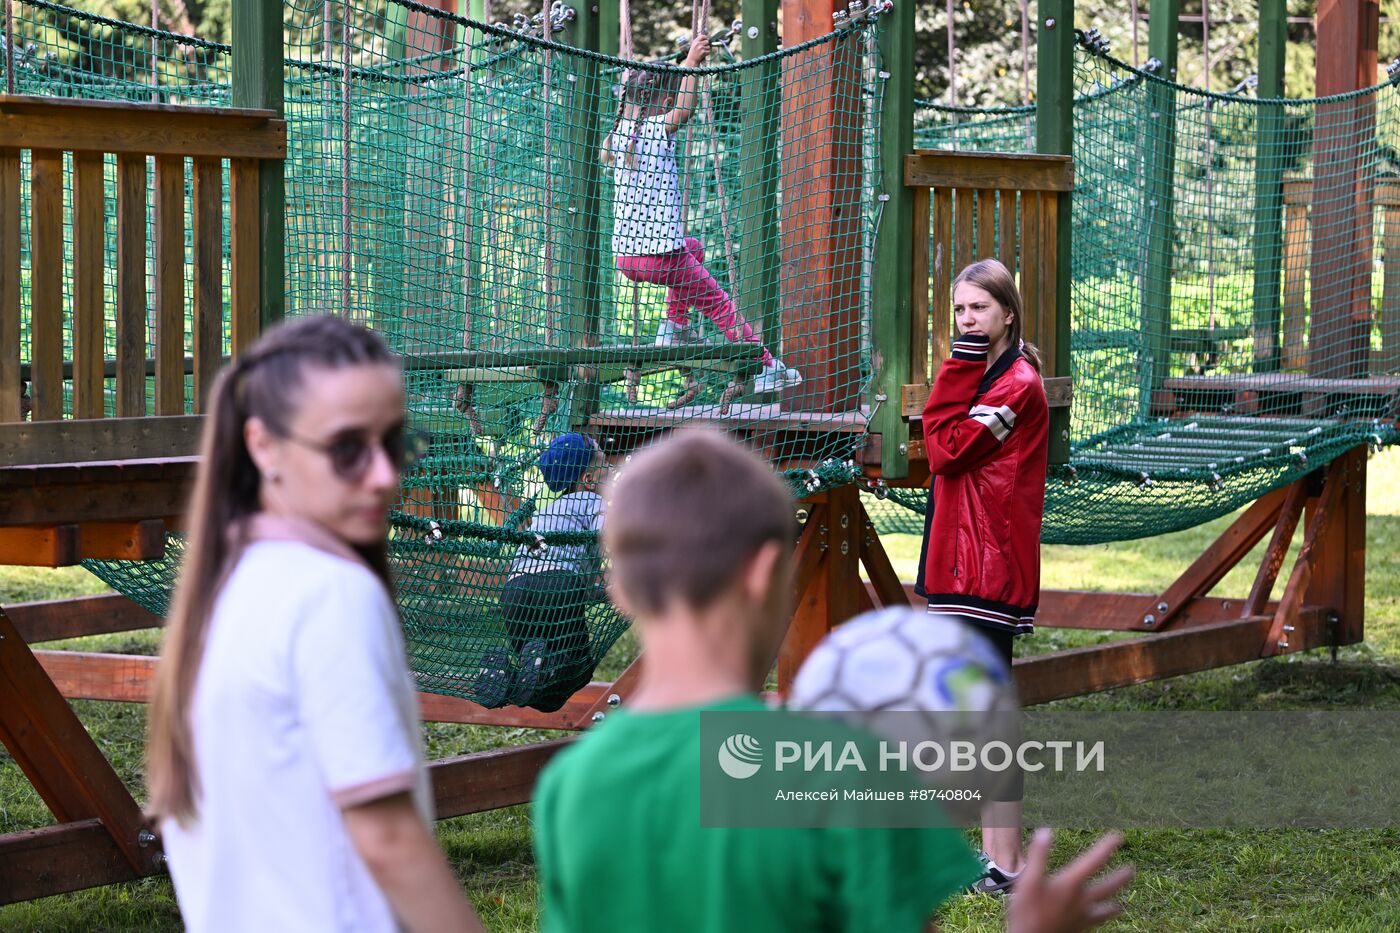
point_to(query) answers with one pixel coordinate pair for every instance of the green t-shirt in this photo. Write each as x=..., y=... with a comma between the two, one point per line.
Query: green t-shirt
x=620, y=848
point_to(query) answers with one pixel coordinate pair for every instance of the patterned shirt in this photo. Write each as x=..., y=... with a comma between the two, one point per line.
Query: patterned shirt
x=646, y=189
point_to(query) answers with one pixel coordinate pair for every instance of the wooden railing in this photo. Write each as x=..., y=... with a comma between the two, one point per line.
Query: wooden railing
x=972, y=206
x=1297, y=245
x=69, y=144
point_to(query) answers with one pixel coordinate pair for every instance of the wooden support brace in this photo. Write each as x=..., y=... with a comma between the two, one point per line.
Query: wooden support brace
x=56, y=753
x=68, y=544
x=71, y=618
x=1277, y=550
x=489, y=780
x=621, y=689
x=1217, y=560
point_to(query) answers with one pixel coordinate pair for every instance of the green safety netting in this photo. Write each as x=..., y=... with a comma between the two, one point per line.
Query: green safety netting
x=444, y=186
x=1235, y=295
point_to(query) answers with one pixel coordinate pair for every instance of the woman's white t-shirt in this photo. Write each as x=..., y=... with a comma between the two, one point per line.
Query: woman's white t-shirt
x=646, y=189
x=303, y=705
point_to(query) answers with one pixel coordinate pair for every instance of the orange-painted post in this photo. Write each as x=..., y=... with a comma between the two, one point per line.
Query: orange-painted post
x=821, y=214
x=1343, y=189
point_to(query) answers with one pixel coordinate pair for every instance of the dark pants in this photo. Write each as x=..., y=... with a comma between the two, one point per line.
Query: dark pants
x=1001, y=639
x=546, y=618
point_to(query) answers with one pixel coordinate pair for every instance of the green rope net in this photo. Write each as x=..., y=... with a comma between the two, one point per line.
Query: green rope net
x=1235, y=294
x=444, y=186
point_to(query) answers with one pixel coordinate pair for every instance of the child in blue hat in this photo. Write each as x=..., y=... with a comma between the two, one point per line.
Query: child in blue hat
x=549, y=588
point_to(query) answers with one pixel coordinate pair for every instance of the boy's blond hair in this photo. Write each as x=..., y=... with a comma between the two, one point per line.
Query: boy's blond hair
x=685, y=516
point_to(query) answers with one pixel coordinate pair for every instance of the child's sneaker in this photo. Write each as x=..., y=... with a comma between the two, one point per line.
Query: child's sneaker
x=535, y=672
x=774, y=377
x=994, y=880
x=671, y=334
x=494, y=681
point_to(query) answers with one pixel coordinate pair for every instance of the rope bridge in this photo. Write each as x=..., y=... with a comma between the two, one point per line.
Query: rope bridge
x=444, y=186
x=1240, y=332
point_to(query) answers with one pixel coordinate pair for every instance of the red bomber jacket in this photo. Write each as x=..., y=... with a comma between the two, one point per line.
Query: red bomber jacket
x=986, y=433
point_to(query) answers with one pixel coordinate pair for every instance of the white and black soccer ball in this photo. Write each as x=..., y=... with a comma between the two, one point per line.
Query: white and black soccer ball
x=910, y=676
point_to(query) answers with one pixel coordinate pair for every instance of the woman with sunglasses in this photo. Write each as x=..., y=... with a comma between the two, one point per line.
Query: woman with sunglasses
x=285, y=761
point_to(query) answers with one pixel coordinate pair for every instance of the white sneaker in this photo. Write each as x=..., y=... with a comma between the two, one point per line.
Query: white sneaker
x=775, y=377
x=671, y=334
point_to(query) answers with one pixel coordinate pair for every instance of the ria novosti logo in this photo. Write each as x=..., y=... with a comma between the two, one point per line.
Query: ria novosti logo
x=740, y=756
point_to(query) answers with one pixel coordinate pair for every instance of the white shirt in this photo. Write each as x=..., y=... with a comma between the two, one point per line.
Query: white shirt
x=303, y=704
x=646, y=189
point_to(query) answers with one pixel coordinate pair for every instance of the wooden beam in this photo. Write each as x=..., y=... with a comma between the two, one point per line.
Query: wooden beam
x=169, y=239
x=929, y=168
x=55, y=442
x=76, y=493
x=622, y=689
x=56, y=753
x=128, y=678
x=52, y=619
x=10, y=312
x=1342, y=222
x=89, y=301
x=53, y=546
x=1217, y=560
x=130, y=363
x=58, y=859
x=46, y=284
x=1339, y=580
x=66, y=545
x=1092, y=669
x=245, y=297
x=208, y=276
x=827, y=577
x=140, y=129
x=1267, y=240
x=820, y=213
x=489, y=780
x=1277, y=550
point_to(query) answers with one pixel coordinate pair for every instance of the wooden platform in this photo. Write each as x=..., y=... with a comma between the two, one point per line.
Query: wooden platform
x=790, y=439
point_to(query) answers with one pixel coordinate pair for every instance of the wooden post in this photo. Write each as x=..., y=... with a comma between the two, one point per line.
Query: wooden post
x=582, y=291
x=1160, y=124
x=1054, y=134
x=1340, y=324
x=1268, y=185
x=820, y=221
x=257, y=82
x=1338, y=581
x=892, y=314
x=826, y=578
x=760, y=254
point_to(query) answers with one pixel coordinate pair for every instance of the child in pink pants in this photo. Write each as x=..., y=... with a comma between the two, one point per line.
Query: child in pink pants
x=648, y=230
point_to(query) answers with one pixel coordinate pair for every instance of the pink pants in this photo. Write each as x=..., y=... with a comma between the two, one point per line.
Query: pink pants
x=689, y=285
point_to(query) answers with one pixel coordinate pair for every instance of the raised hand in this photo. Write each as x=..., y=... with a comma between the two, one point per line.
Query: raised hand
x=1069, y=900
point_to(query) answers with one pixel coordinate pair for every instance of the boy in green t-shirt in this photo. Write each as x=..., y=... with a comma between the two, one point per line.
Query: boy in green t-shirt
x=699, y=534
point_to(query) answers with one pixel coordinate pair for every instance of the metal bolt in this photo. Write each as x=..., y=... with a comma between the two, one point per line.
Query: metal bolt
x=1049, y=22
x=884, y=76
x=145, y=837
x=845, y=547
x=1064, y=435
x=845, y=521
x=614, y=700
x=1149, y=619
x=904, y=448
x=752, y=32
x=159, y=861
x=883, y=198
x=1288, y=628
x=1283, y=643
x=1161, y=607
x=802, y=516
x=599, y=716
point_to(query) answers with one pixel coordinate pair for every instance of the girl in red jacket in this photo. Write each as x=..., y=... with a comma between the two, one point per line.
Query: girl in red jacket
x=985, y=430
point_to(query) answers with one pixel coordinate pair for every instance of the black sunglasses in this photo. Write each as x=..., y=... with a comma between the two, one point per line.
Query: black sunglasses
x=352, y=455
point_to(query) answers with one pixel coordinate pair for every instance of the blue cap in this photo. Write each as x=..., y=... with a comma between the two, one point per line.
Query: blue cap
x=565, y=460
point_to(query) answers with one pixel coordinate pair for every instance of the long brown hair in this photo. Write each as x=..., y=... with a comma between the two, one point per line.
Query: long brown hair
x=266, y=383
x=996, y=280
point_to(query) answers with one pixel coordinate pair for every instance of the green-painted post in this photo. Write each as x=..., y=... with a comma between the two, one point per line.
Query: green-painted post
x=1054, y=134
x=1160, y=126
x=391, y=291
x=581, y=172
x=1268, y=186
x=609, y=26
x=257, y=82
x=474, y=180
x=759, y=244
x=891, y=322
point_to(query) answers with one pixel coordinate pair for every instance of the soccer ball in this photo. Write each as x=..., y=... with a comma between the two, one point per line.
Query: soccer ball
x=909, y=676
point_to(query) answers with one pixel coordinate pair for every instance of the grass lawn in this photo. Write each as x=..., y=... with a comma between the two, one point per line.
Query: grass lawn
x=1213, y=880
